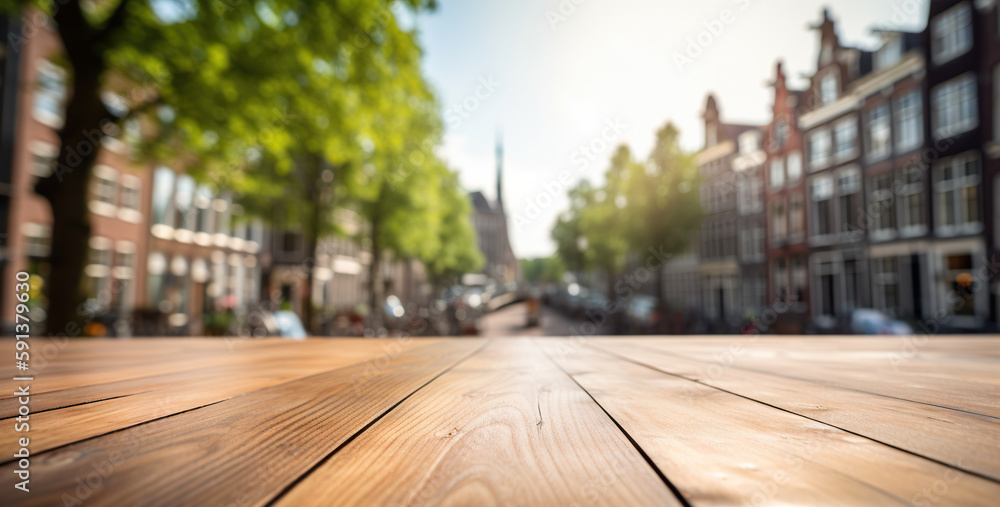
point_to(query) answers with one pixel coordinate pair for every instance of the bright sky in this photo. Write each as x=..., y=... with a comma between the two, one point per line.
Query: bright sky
x=557, y=84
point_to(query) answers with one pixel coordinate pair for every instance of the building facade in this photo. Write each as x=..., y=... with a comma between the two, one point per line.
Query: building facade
x=118, y=197
x=720, y=268
x=786, y=207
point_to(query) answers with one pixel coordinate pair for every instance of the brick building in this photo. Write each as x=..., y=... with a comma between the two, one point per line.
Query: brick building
x=119, y=194
x=831, y=125
x=719, y=260
x=785, y=190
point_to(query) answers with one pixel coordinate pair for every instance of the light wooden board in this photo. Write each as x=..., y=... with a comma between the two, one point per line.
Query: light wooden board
x=935, y=432
x=246, y=448
x=505, y=427
x=722, y=449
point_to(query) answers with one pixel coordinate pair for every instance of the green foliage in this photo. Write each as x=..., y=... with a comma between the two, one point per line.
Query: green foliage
x=457, y=252
x=299, y=107
x=642, y=205
x=543, y=269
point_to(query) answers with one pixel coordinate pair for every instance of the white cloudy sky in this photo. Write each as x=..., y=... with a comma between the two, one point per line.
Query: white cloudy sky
x=611, y=60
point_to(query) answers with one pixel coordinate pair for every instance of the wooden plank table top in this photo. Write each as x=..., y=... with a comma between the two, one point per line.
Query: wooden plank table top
x=733, y=420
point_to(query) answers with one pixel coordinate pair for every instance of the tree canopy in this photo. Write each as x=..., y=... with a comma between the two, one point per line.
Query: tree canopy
x=642, y=205
x=305, y=105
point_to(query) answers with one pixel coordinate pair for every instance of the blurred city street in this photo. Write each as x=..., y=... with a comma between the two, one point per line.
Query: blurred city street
x=510, y=322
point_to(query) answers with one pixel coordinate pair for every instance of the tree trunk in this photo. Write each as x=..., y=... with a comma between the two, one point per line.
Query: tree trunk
x=374, y=294
x=311, y=234
x=66, y=191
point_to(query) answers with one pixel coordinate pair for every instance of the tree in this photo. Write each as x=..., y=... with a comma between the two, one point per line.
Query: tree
x=457, y=252
x=662, y=208
x=542, y=269
x=603, y=223
x=299, y=81
x=571, y=243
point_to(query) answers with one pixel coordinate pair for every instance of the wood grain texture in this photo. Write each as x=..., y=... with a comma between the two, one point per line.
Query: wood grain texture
x=123, y=377
x=722, y=449
x=733, y=420
x=935, y=432
x=505, y=427
x=245, y=449
x=945, y=371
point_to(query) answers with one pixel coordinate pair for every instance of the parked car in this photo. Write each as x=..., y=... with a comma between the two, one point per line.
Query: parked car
x=595, y=302
x=869, y=321
x=641, y=315
x=289, y=326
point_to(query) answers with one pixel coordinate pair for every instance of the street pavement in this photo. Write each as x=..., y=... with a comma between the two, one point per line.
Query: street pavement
x=511, y=320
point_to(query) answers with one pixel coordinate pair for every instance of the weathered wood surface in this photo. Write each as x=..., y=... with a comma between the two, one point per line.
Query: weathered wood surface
x=549, y=421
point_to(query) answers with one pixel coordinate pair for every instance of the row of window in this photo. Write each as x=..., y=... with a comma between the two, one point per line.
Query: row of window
x=226, y=281
x=181, y=204
x=896, y=205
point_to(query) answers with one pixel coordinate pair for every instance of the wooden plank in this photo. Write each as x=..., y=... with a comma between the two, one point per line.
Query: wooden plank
x=962, y=381
x=719, y=448
x=243, y=450
x=81, y=362
x=288, y=359
x=55, y=428
x=960, y=439
x=505, y=427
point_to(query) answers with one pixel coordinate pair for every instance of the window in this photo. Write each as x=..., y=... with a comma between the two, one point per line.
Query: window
x=125, y=261
x=848, y=186
x=819, y=149
x=749, y=142
x=796, y=218
x=289, y=242
x=750, y=243
x=951, y=33
x=163, y=190
x=743, y=198
x=909, y=122
x=799, y=276
x=956, y=187
x=779, y=280
x=98, y=271
x=828, y=89
x=50, y=95
x=822, y=195
x=877, y=133
x=885, y=278
x=780, y=134
x=911, y=202
x=757, y=195
x=954, y=106
x=890, y=52
x=777, y=173
x=846, y=135
x=958, y=274
x=106, y=185
x=882, y=209
x=779, y=224
x=794, y=166
x=203, y=210
x=43, y=159
x=183, y=199
x=131, y=193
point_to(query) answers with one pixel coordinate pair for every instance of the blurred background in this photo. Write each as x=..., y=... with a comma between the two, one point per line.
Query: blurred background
x=375, y=167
